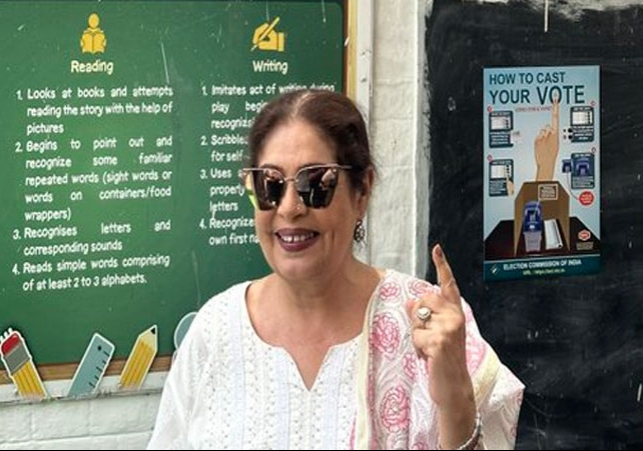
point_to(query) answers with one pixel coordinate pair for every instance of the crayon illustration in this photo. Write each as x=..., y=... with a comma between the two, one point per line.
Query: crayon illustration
x=140, y=359
x=19, y=363
x=92, y=367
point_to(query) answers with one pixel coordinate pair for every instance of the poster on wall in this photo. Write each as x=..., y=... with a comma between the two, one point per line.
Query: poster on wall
x=541, y=171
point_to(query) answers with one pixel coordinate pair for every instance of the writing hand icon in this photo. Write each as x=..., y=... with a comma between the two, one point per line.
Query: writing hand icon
x=266, y=38
x=546, y=146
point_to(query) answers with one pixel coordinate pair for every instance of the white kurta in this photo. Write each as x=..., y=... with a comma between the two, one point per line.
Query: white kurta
x=228, y=389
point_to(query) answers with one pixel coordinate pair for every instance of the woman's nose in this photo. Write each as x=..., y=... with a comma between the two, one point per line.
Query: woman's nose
x=291, y=203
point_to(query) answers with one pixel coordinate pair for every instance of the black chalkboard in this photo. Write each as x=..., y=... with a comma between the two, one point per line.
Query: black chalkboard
x=123, y=129
x=576, y=342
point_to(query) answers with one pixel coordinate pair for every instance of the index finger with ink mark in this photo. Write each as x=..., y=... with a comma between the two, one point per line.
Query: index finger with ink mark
x=555, y=113
x=446, y=280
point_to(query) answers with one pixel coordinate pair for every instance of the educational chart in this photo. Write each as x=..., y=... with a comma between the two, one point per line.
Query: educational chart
x=541, y=171
x=123, y=130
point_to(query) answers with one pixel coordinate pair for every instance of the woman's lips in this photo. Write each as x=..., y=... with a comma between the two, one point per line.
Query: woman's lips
x=296, y=240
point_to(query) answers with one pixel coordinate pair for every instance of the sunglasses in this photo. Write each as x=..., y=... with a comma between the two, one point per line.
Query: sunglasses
x=314, y=184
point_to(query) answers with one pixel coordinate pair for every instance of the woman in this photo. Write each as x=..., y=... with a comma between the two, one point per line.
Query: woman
x=327, y=352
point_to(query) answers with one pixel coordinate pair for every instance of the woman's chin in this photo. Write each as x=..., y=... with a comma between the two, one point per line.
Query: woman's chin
x=299, y=271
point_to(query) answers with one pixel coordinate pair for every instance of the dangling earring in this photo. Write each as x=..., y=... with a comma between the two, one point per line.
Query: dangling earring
x=360, y=231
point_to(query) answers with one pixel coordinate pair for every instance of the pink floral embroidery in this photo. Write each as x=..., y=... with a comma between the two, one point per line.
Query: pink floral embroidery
x=409, y=362
x=389, y=291
x=385, y=336
x=394, y=409
x=371, y=392
x=419, y=288
x=475, y=352
x=392, y=393
x=420, y=441
x=395, y=441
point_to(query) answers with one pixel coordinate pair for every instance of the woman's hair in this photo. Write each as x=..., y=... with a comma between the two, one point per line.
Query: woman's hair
x=334, y=116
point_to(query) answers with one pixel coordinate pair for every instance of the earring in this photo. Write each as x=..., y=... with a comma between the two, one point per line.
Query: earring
x=360, y=231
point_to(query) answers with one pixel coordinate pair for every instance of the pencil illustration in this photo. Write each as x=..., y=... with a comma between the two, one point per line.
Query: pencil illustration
x=19, y=363
x=140, y=359
x=92, y=367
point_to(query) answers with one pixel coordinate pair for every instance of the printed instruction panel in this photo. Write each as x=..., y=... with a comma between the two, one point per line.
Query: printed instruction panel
x=541, y=171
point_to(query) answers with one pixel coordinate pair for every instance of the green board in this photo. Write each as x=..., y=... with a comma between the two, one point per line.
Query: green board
x=122, y=135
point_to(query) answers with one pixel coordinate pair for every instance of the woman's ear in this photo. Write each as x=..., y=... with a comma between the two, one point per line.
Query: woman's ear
x=366, y=190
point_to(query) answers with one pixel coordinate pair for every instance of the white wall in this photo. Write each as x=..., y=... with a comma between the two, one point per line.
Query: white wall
x=397, y=230
x=398, y=227
x=115, y=422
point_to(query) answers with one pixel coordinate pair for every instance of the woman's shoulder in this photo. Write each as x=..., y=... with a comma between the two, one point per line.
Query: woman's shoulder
x=215, y=318
x=223, y=302
x=411, y=287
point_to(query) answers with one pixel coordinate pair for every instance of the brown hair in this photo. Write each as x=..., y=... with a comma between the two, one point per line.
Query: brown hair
x=333, y=114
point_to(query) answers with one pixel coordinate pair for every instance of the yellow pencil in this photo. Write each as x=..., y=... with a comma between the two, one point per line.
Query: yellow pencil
x=141, y=366
x=22, y=383
x=31, y=384
x=36, y=383
x=135, y=367
x=140, y=359
x=19, y=363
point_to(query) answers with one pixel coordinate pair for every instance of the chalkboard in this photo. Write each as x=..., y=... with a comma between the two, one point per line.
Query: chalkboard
x=577, y=341
x=123, y=129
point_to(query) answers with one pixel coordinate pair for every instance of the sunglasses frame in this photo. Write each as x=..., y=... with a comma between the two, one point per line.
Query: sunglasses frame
x=266, y=205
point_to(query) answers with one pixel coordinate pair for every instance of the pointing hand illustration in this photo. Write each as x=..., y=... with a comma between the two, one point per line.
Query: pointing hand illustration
x=546, y=146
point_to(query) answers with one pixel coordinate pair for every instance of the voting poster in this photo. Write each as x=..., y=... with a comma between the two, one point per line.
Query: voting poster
x=541, y=171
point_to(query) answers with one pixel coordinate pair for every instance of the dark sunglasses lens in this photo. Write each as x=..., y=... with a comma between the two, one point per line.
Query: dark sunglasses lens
x=316, y=186
x=248, y=180
x=269, y=186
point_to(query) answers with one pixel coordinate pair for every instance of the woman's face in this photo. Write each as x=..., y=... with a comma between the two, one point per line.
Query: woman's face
x=301, y=242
